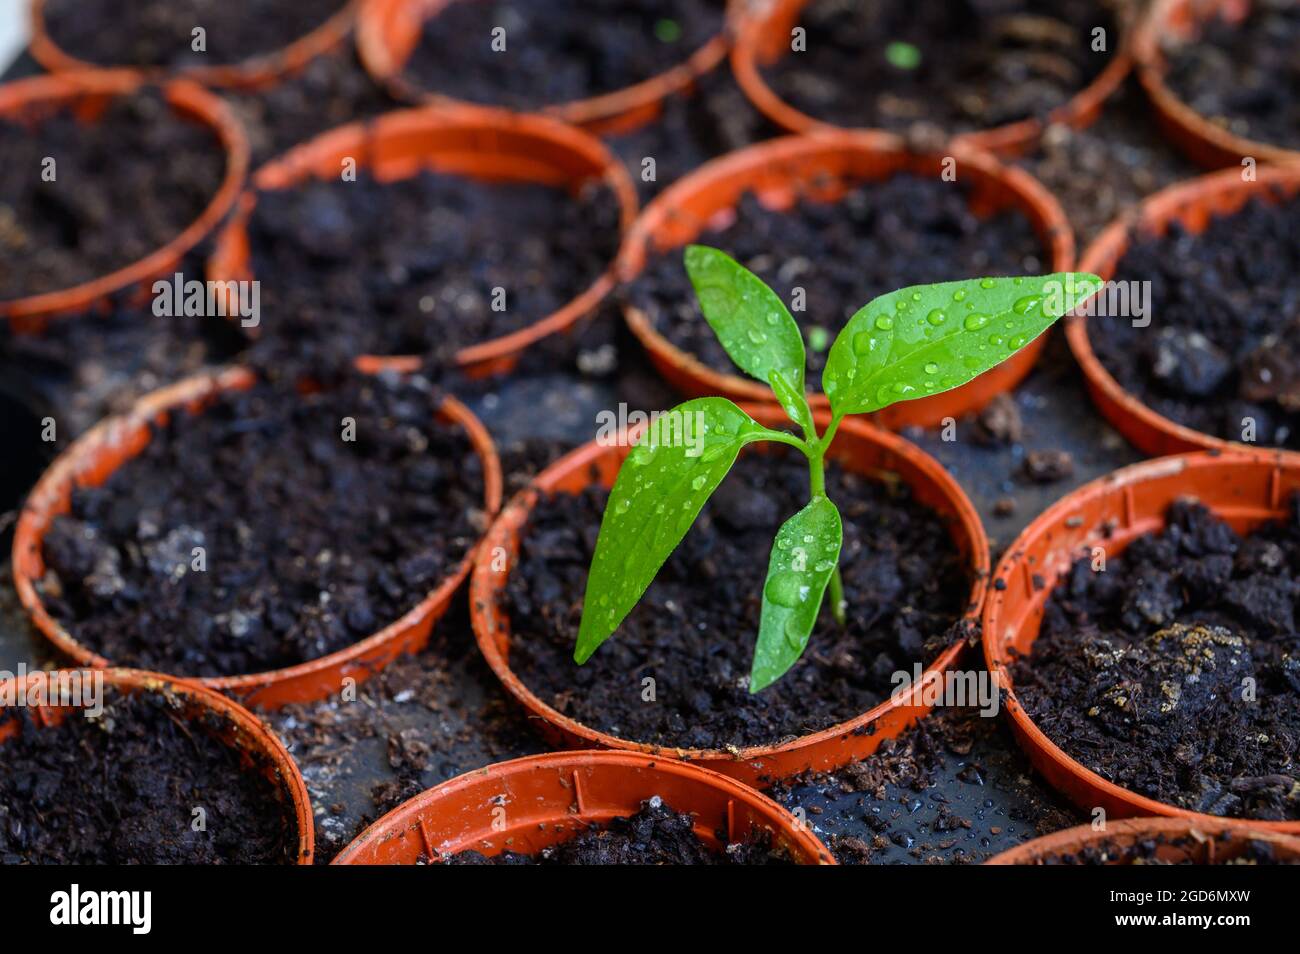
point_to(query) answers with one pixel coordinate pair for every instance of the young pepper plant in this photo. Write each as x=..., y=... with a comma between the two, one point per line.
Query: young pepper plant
x=906, y=344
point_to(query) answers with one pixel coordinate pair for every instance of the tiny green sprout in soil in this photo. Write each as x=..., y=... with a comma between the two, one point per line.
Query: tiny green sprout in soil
x=906, y=344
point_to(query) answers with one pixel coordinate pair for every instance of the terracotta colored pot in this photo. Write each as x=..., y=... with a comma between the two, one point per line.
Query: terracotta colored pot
x=262, y=748
x=256, y=72
x=858, y=447
x=532, y=803
x=1201, y=848
x=764, y=39
x=824, y=167
x=93, y=458
x=388, y=32
x=484, y=144
x=88, y=95
x=1244, y=488
x=1204, y=142
x=1191, y=204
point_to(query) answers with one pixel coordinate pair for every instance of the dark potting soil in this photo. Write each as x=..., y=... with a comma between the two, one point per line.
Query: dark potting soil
x=556, y=53
x=655, y=835
x=940, y=67
x=411, y=267
x=1176, y=672
x=693, y=631
x=313, y=540
x=161, y=32
x=331, y=90
x=953, y=788
x=881, y=236
x=1244, y=76
x=123, y=788
x=1147, y=852
x=119, y=189
x=713, y=119
x=1220, y=353
x=82, y=368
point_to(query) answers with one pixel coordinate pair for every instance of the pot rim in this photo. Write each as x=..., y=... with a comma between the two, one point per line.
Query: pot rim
x=1132, y=829
x=755, y=763
x=271, y=688
x=31, y=311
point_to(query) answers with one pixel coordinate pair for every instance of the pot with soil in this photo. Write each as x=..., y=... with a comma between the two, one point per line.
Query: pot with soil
x=1210, y=356
x=241, y=46
x=90, y=207
x=588, y=808
x=1223, y=78
x=1142, y=630
x=675, y=681
x=462, y=232
x=270, y=541
x=120, y=766
x=1157, y=841
x=935, y=72
x=606, y=65
x=838, y=218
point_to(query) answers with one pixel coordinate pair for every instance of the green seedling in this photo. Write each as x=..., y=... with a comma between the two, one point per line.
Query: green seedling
x=909, y=343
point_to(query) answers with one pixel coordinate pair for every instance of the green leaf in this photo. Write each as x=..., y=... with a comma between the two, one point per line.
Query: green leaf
x=660, y=488
x=751, y=321
x=926, y=339
x=805, y=554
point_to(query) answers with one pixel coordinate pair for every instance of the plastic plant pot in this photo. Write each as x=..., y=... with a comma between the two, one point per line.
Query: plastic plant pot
x=93, y=458
x=1243, y=488
x=1192, y=204
x=1206, y=143
x=88, y=95
x=262, y=748
x=388, y=33
x=546, y=799
x=857, y=446
x=257, y=72
x=824, y=167
x=1180, y=840
x=764, y=39
x=489, y=145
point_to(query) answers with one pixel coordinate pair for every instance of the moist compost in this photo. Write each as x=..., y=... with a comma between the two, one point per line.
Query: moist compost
x=123, y=788
x=1220, y=353
x=555, y=53
x=1176, y=672
x=413, y=266
x=1191, y=849
x=693, y=631
x=161, y=32
x=881, y=236
x=934, y=68
x=1244, y=76
x=312, y=541
x=655, y=835
x=119, y=189
x=331, y=90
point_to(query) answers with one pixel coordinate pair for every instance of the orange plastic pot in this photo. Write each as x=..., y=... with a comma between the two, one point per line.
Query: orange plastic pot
x=87, y=95
x=824, y=167
x=858, y=447
x=1243, y=488
x=261, y=749
x=485, y=144
x=764, y=39
x=1204, y=142
x=1192, y=204
x=388, y=32
x=257, y=72
x=1180, y=840
x=94, y=457
x=533, y=803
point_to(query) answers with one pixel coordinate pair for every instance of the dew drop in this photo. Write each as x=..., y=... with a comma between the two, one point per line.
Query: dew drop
x=987, y=283
x=931, y=368
x=1024, y=305
x=784, y=589
x=756, y=336
x=863, y=343
x=698, y=482
x=884, y=322
x=937, y=317
x=959, y=295
x=975, y=321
